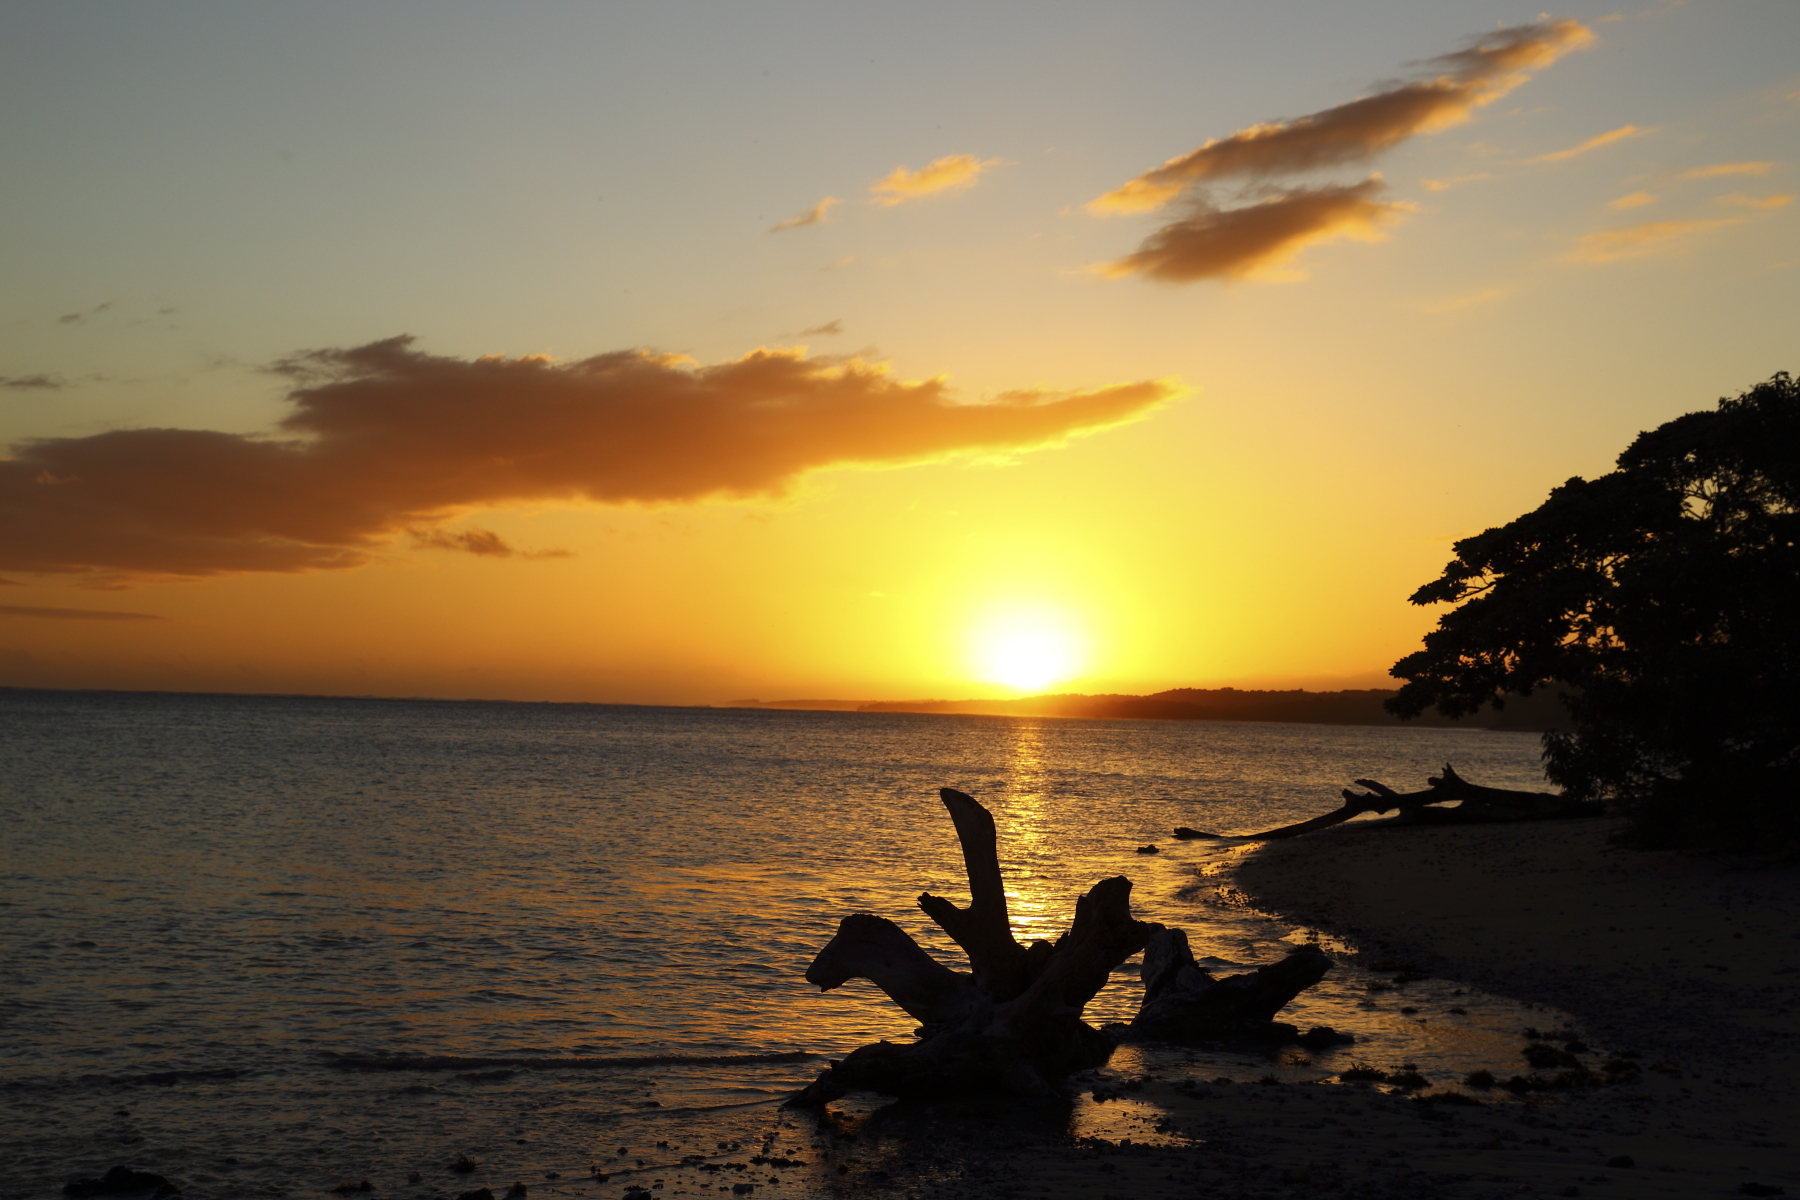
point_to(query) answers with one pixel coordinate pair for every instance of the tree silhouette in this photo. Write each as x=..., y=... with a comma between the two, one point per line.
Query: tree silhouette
x=1662, y=601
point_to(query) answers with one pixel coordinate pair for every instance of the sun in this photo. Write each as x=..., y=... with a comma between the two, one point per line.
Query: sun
x=1027, y=652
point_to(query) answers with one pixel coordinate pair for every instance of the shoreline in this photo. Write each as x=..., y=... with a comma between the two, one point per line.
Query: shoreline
x=1690, y=963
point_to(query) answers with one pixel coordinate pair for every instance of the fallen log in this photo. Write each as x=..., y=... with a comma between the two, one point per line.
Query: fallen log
x=1014, y=1023
x=1183, y=1002
x=1476, y=805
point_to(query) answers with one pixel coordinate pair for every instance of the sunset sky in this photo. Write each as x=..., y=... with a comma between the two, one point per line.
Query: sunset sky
x=679, y=353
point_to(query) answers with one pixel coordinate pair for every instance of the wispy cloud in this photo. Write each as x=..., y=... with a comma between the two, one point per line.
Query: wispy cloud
x=28, y=383
x=481, y=542
x=1718, y=169
x=1466, y=300
x=951, y=173
x=1444, y=185
x=813, y=216
x=1739, y=200
x=75, y=614
x=1634, y=200
x=385, y=440
x=1259, y=239
x=77, y=318
x=1640, y=241
x=1488, y=69
x=1593, y=143
x=829, y=329
x=1215, y=241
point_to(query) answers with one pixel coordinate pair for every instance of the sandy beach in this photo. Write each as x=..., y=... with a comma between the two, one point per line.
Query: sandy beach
x=1685, y=966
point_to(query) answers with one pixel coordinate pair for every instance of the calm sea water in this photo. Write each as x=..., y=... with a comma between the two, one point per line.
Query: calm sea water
x=211, y=902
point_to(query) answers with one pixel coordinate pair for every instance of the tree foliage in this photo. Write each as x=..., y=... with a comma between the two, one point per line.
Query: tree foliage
x=1662, y=601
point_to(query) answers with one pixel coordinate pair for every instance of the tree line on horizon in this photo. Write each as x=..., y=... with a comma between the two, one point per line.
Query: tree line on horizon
x=1349, y=707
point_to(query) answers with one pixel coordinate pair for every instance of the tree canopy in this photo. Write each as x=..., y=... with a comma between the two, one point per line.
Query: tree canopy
x=1662, y=601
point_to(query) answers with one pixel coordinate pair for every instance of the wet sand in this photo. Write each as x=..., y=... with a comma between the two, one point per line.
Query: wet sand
x=1689, y=963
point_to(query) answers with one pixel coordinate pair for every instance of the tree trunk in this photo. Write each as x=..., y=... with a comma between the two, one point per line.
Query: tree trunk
x=1479, y=805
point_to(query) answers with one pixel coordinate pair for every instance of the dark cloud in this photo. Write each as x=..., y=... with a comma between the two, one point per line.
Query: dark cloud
x=482, y=542
x=1234, y=242
x=828, y=329
x=76, y=318
x=384, y=439
x=75, y=614
x=27, y=383
x=1488, y=69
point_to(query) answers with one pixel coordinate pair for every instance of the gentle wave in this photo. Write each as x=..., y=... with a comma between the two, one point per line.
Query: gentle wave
x=453, y=1062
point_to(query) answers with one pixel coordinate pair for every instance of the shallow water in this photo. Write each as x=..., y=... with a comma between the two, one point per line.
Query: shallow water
x=210, y=902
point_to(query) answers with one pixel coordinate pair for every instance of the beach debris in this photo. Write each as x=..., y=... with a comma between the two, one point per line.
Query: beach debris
x=120, y=1181
x=1183, y=1002
x=464, y=1164
x=1361, y=1072
x=1455, y=1099
x=1474, y=805
x=1013, y=1024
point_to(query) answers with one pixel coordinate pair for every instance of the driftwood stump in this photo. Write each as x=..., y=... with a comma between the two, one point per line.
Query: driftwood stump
x=1014, y=1023
x=1478, y=805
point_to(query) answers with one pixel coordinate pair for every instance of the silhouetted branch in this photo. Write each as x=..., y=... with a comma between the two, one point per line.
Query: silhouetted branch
x=1477, y=805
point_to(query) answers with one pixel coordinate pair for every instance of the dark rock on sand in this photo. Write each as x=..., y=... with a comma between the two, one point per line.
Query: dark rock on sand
x=122, y=1181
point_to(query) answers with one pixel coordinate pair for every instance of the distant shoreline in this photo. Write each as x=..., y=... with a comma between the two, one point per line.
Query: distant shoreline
x=1533, y=714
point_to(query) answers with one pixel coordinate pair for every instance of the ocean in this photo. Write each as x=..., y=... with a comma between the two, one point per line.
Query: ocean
x=224, y=918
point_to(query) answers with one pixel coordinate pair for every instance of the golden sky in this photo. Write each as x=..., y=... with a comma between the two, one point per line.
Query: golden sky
x=678, y=353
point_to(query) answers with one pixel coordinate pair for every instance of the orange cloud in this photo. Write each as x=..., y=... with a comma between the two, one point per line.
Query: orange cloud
x=75, y=614
x=950, y=173
x=1739, y=200
x=813, y=216
x=1444, y=185
x=1593, y=143
x=1354, y=132
x=1640, y=240
x=1256, y=238
x=1634, y=200
x=385, y=439
x=1718, y=169
x=1467, y=300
